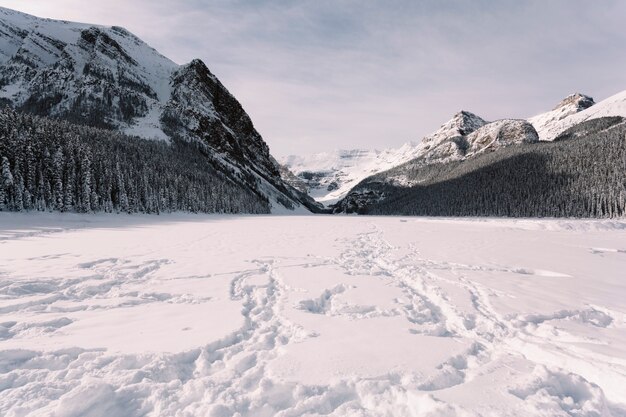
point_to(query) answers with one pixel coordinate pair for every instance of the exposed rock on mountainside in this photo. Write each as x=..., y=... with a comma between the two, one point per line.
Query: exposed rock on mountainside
x=614, y=106
x=452, y=142
x=548, y=124
x=107, y=77
x=578, y=101
x=580, y=175
x=329, y=176
x=448, y=142
x=293, y=180
x=498, y=134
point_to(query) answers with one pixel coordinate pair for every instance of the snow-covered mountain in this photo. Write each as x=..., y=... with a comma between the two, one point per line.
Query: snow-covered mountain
x=576, y=117
x=574, y=110
x=107, y=77
x=464, y=137
x=329, y=176
x=549, y=124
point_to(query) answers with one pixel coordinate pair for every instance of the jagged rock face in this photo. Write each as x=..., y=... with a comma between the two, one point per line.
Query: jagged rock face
x=576, y=101
x=499, y=134
x=104, y=77
x=461, y=124
x=447, y=142
x=467, y=134
x=107, y=77
x=293, y=180
x=201, y=107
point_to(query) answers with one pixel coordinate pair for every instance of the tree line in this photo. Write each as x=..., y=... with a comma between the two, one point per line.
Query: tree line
x=53, y=165
x=581, y=174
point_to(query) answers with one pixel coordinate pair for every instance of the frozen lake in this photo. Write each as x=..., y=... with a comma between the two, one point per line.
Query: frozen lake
x=184, y=315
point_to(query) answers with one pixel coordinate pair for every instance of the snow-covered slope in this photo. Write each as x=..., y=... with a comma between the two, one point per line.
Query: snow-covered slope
x=107, y=77
x=330, y=175
x=548, y=124
x=576, y=109
x=612, y=106
x=51, y=66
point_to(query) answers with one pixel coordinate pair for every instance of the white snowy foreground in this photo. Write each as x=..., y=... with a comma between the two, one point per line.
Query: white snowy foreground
x=185, y=315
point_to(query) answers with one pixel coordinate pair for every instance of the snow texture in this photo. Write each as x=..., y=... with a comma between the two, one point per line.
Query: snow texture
x=183, y=315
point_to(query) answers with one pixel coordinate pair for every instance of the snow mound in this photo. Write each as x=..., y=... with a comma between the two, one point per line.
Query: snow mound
x=556, y=393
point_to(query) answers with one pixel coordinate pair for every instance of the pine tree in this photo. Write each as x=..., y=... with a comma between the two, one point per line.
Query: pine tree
x=57, y=180
x=85, y=183
x=6, y=184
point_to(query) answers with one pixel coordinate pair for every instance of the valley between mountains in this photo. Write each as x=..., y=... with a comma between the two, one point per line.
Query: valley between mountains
x=156, y=259
x=95, y=120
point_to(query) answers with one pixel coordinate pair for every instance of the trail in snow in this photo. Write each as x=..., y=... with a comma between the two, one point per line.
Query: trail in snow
x=309, y=316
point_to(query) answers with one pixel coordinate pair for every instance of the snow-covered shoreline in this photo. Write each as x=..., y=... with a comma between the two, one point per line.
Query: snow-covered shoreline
x=184, y=314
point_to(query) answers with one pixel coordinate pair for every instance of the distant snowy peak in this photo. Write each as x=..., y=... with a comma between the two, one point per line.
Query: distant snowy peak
x=576, y=101
x=466, y=135
x=462, y=123
x=329, y=176
x=610, y=107
x=447, y=142
x=549, y=124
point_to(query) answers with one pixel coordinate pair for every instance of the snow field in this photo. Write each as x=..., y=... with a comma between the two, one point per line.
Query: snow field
x=183, y=315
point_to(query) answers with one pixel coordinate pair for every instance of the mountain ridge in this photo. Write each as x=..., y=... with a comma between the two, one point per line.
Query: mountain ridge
x=446, y=144
x=107, y=77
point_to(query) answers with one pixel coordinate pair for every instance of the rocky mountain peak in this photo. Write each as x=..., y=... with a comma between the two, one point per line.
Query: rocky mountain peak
x=107, y=77
x=466, y=122
x=549, y=124
x=577, y=100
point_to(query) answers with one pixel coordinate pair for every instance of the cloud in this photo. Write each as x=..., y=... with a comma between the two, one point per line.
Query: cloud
x=317, y=75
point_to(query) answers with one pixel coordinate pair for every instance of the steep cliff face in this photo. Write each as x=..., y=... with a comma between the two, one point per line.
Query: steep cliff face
x=201, y=108
x=107, y=77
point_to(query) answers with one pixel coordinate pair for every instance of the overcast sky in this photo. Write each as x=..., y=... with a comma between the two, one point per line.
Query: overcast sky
x=319, y=75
